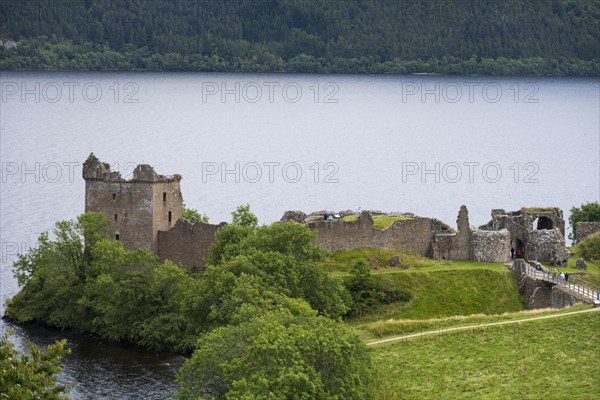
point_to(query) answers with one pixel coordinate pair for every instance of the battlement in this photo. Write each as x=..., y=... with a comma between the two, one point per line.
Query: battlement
x=94, y=169
x=137, y=208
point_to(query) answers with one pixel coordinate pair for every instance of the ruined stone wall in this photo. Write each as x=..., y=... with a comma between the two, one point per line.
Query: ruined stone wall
x=414, y=235
x=443, y=246
x=187, y=243
x=490, y=246
x=455, y=246
x=585, y=229
x=462, y=242
x=543, y=245
x=539, y=232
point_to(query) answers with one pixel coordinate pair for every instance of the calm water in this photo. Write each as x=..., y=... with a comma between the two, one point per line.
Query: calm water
x=279, y=142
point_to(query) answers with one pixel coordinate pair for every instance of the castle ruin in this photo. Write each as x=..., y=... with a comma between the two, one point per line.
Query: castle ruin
x=146, y=212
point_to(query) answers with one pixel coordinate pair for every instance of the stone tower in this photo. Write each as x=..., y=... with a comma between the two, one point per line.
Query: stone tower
x=137, y=208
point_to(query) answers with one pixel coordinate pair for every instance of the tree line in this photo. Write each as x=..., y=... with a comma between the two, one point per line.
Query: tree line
x=263, y=321
x=519, y=37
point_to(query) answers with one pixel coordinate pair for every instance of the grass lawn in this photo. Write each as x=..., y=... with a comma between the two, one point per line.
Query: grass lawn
x=380, y=221
x=371, y=331
x=593, y=269
x=548, y=359
x=448, y=293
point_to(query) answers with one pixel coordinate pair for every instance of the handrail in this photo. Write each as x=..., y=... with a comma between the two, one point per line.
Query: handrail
x=554, y=278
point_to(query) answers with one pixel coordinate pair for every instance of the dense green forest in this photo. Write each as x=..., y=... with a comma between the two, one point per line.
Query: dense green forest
x=262, y=322
x=514, y=37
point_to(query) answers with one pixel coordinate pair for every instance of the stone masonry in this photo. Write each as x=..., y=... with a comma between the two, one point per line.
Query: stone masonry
x=187, y=243
x=472, y=244
x=538, y=232
x=413, y=234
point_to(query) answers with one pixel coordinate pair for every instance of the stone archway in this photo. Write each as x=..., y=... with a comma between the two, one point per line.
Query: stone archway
x=519, y=247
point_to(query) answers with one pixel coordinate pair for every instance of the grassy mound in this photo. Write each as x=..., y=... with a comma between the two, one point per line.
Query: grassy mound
x=591, y=276
x=439, y=288
x=448, y=293
x=531, y=360
x=381, y=221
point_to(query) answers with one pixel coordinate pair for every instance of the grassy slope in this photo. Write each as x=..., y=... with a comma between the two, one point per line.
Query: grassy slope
x=502, y=362
x=371, y=331
x=593, y=269
x=447, y=293
x=550, y=359
x=439, y=288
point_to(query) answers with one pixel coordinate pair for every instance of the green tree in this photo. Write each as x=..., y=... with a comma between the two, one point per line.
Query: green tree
x=31, y=375
x=367, y=290
x=100, y=287
x=351, y=36
x=360, y=275
x=278, y=356
x=82, y=279
x=192, y=213
x=361, y=286
x=243, y=217
x=588, y=212
x=284, y=255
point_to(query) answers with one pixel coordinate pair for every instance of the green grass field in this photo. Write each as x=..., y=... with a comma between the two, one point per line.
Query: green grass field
x=549, y=359
x=592, y=277
x=371, y=331
x=439, y=288
x=448, y=293
x=380, y=221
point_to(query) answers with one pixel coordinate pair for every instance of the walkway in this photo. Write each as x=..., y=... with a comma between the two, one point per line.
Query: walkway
x=469, y=327
x=554, y=279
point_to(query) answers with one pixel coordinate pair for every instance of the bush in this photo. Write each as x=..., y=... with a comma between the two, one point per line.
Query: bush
x=367, y=291
x=588, y=212
x=589, y=249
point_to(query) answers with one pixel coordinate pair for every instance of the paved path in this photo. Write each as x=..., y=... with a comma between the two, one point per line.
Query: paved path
x=467, y=327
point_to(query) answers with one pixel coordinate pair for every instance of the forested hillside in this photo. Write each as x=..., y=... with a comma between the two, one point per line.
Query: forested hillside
x=548, y=37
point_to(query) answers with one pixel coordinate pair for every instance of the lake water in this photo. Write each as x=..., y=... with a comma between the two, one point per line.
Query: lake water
x=424, y=144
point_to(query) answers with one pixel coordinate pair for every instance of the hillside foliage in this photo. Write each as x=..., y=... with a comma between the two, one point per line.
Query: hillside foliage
x=557, y=37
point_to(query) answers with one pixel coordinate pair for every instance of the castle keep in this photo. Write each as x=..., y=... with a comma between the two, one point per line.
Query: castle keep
x=146, y=212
